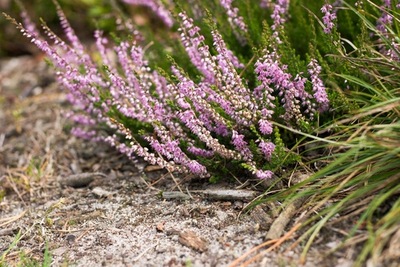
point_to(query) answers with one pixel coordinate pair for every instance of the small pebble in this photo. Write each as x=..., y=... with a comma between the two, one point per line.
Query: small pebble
x=70, y=239
x=80, y=180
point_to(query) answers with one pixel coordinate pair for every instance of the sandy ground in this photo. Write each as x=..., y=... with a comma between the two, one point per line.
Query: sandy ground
x=122, y=213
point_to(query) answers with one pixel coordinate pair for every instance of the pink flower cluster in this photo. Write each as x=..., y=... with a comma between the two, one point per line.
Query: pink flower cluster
x=385, y=21
x=328, y=18
x=233, y=15
x=278, y=16
x=210, y=117
x=281, y=8
x=273, y=77
x=319, y=89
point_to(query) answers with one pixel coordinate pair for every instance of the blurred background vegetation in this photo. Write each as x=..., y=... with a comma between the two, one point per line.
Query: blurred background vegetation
x=85, y=16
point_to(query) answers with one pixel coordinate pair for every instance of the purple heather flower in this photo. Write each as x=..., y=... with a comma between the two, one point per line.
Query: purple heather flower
x=264, y=175
x=320, y=95
x=194, y=45
x=196, y=126
x=28, y=24
x=225, y=56
x=279, y=14
x=328, y=18
x=83, y=119
x=171, y=150
x=241, y=145
x=264, y=68
x=70, y=33
x=384, y=22
x=83, y=134
x=64, y=59
x=301, y=94
x=230, y=93
x=135, y=148
x=265, y=126
x=267, y=148
x=393, y=52
x=101, y=43
x=221, y=129
x=200, y=152
x=231, y=84
x=232, y=12
x=186, y=90
x=386, y=19
x=280, y=11
x=274, y=77
x=135, y=91
x=197, y=169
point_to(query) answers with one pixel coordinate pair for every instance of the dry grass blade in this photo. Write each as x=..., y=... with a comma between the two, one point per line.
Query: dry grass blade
x=14, y=186
x=275, y=243
x=385, y=107
x=5, y=221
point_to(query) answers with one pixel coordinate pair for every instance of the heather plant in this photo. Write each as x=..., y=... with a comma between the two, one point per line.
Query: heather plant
x=233, y=88
x=212, y=105
x=361, y=183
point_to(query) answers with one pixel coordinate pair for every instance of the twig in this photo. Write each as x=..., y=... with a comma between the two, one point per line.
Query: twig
x=72, y=230
x=84, y=233
x=14, y=187
x=227, y=194
x=214, y=194
x=175, y=181
x=159, y=179
x=175, y=195
x=275, y=243
x=278, y=242
x=144, y=252
x=190, y=195
x=142, y=177
x=2, y=138
x=278, y=226
x=80, y=179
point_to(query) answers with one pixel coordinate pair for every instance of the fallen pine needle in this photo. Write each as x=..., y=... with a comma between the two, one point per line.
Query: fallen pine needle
x=83, y=234
x=72, y=230
x=274, y=244
x=144, y=252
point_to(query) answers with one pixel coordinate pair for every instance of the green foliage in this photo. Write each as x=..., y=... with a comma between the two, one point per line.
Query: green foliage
x=281, y=156
x=362, y=180
x=24, y=259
